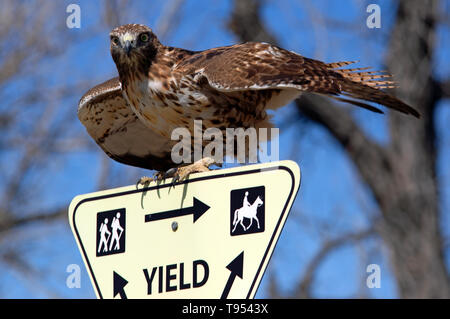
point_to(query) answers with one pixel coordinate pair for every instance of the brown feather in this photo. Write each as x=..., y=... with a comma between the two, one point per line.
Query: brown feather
x=263, y=66
x=260, y=66
x=110, y=121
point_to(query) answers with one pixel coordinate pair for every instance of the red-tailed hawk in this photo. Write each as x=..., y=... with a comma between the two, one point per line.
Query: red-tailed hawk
x=161, y=88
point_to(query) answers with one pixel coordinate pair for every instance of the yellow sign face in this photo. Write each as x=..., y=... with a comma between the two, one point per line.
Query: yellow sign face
x=209, y=237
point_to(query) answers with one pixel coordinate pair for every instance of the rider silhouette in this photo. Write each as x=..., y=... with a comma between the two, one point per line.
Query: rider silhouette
x=246, y=202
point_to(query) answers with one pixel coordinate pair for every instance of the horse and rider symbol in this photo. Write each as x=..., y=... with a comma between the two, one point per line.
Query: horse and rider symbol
x=247, y=215
x=111, y=232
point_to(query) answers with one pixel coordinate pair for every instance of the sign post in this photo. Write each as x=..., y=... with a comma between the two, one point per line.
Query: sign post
x=210, y=236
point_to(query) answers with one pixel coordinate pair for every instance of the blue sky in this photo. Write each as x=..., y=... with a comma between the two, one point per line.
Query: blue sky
x=332, y=198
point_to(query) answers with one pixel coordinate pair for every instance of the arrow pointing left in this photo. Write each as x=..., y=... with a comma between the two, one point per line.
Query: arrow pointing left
x=119, y=284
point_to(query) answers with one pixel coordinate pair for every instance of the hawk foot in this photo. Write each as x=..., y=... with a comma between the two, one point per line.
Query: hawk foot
x=179, y=174
x=182, y=173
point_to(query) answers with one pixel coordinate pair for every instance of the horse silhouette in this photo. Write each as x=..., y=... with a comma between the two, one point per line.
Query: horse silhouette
x=247, y=212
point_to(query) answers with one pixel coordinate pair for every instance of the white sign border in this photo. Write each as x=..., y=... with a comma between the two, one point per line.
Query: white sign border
x=222, y=174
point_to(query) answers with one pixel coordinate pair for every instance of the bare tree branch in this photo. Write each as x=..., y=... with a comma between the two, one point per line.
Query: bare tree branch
x=304, y=287
x=9, y=224
x=445, y=89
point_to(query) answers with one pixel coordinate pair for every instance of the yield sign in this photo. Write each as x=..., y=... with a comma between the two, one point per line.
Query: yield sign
x=209, y=237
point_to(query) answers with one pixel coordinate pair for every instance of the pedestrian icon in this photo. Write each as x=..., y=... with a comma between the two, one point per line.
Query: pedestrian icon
x=111, y=232
x=247, y=211
x=115, y=230
x=103, y=233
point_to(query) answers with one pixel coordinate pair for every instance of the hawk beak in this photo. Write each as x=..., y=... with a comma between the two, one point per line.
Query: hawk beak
x=127, y=47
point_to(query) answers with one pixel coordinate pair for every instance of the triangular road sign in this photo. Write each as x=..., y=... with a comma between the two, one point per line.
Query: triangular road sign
x=209, y=237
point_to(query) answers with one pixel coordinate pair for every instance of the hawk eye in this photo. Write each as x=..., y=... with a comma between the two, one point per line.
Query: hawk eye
x=144, y=37
x=115, y=40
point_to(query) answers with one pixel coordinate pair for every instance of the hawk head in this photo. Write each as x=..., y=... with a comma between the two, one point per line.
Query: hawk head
x=133, y=45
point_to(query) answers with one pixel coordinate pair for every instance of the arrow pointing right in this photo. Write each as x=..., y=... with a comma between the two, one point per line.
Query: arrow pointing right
x=119, y=284
x=236, y=267
x=196, y=210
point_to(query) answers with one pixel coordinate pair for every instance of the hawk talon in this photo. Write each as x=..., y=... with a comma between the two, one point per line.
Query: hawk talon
x=159, y=176
x=144, y=181
x=170, y=172
x=175, y=179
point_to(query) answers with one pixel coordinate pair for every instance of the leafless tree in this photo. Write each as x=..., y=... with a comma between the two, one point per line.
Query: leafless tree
x=40, y=130
x=401, y=175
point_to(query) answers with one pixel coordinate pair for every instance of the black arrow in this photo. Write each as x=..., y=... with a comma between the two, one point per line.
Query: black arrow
x=119, y=284
x=197, y=210
x=237, y=268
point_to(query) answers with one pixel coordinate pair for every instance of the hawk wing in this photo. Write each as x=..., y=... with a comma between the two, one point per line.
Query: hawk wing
x=259, y=66
x=111, y=122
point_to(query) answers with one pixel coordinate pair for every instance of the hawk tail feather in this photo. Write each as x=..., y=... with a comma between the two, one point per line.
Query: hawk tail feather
x=357, y=103
x=357, y=83
x=362, y=91
x=336, y=65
